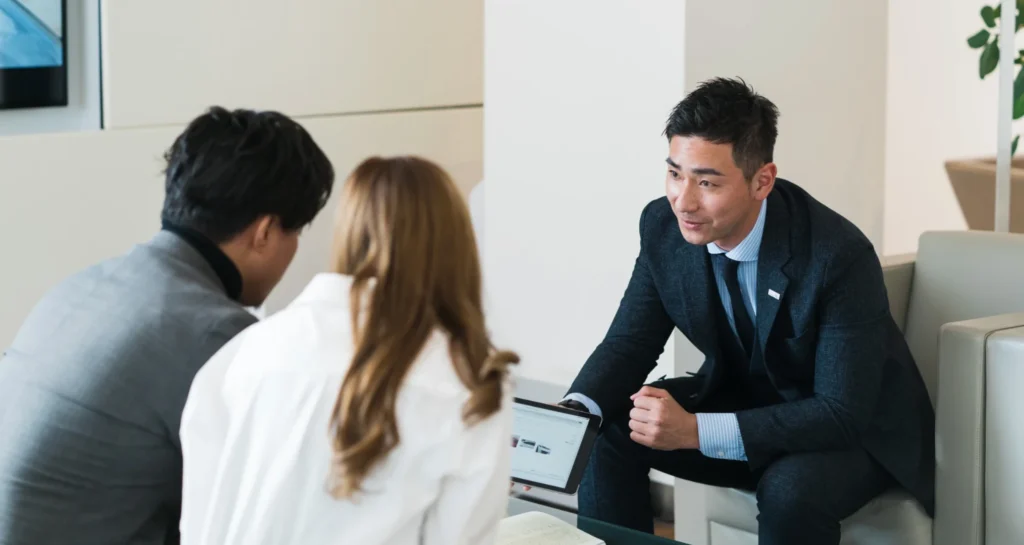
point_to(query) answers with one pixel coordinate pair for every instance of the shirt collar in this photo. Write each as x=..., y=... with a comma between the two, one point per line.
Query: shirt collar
x=748, y=249
x=221, y=264
x=327, y=287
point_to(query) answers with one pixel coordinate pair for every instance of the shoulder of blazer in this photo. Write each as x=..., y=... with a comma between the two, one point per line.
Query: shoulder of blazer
x=656, y=221
x=821, y=234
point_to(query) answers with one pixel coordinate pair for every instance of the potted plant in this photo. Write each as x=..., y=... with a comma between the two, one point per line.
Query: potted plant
x=974, y=180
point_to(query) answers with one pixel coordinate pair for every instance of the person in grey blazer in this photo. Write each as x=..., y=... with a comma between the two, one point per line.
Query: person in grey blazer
x=94, y=384
x=808, y=393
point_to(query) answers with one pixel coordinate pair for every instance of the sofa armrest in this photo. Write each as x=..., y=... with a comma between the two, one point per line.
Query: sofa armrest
x=1004, y=437
x=898, y=272
x=964, y=360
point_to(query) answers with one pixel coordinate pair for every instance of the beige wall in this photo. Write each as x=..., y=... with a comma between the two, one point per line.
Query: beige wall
x=823, y=64
x=165, y=61
x=937, y=109
x=68, y=200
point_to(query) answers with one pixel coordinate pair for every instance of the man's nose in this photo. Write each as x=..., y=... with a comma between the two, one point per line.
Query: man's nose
x=686, y=200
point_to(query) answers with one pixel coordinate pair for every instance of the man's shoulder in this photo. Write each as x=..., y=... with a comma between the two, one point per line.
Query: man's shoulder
x=823, y=241
x=823, y=228
x=657, y=209
x=137, y=302
x=657, y=215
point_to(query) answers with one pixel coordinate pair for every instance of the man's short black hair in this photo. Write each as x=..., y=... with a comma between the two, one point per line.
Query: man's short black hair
x=229, y=168
x=728, y=111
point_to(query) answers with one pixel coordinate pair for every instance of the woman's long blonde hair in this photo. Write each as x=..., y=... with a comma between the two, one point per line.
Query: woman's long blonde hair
x=405, y=237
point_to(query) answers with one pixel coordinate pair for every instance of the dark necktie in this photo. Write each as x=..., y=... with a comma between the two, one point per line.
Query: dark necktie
x=744, y=326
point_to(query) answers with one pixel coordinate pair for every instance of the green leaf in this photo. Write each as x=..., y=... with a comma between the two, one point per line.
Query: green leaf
x=1018, y=107
x=988, y=14
x=998, y=12
x=1018, y=86
x=979, y=39
x=1013, y=146
x=989, y=59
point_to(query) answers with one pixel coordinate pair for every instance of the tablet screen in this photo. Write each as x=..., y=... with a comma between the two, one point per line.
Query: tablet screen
x=545, y=444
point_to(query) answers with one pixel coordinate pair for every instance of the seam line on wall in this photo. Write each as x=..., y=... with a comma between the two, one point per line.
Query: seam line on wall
x=394, y=111
x=450, y=107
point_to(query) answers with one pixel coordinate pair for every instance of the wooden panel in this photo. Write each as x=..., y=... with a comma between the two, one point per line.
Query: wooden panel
x=164, y=62
x=69, y=200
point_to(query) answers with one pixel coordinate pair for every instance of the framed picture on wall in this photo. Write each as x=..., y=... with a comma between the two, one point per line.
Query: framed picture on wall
x=33, y=53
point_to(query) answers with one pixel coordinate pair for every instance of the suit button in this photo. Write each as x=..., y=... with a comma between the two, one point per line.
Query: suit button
x=721, y=454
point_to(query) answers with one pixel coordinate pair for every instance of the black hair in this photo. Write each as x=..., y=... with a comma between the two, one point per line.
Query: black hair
x=728, y=111
x=229, y=168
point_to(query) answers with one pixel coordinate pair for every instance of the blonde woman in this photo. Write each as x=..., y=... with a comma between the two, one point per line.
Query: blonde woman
x=374, y=409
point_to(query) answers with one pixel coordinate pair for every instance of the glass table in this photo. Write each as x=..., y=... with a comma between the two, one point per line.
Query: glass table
x=609, y=533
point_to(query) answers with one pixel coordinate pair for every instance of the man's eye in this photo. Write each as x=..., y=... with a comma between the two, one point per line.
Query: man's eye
x=705, y=183
x=674, y=174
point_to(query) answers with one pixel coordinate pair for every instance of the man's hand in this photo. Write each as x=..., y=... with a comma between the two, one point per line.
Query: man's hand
x=658, y=422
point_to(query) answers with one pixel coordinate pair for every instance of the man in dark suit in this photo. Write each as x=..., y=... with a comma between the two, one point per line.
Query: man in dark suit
x=808, y=393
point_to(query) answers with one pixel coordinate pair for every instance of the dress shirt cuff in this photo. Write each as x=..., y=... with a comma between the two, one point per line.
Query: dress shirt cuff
x=719, y=435
x=587, y=402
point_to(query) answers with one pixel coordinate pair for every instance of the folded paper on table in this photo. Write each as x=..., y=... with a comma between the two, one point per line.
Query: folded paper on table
x=535, y=528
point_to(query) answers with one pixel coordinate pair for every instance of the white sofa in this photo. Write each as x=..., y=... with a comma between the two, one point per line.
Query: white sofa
x=960, y=303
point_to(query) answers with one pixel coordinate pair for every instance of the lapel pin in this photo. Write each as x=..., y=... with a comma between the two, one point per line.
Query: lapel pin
x=773, y=294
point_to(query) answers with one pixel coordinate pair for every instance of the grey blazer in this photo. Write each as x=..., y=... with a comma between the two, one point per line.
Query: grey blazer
x=91, y=395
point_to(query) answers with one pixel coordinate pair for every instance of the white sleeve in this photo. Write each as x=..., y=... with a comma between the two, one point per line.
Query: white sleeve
x=204, y=425
x=474, y=498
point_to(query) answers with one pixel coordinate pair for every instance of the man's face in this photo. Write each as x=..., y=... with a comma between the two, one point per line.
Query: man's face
x=286, y=244
x=712, y=200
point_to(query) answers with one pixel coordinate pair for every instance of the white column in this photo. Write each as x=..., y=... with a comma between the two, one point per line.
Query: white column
x=1008, y=52
x=576, y=93
x=576, y=96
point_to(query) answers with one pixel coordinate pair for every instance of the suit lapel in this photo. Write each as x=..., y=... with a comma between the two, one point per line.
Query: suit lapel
x=772, y=257
x=697, y=288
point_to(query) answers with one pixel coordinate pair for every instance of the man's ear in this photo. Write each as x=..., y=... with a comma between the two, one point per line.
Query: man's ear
x=764, y=180
x=262, y=233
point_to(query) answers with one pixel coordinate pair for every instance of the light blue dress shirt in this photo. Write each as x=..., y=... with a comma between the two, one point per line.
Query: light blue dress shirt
x=720, y=432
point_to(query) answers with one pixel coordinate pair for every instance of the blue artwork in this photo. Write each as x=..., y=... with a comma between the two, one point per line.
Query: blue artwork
x=26, y=40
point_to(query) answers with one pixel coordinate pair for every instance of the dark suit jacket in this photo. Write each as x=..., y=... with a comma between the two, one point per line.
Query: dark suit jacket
x=828, y=344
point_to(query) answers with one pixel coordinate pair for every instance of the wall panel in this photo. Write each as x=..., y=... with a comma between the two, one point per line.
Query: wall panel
x=166, y=61
x=69, y=200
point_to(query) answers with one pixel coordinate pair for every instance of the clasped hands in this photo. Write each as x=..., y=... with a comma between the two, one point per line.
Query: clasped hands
x=659, y=422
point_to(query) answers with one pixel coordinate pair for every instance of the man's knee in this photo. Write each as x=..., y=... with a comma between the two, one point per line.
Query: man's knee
x=788, y=502
x=615, y=452
x=615, y=437
x=783, y=503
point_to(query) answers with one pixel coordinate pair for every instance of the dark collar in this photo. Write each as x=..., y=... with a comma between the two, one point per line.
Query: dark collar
x=218, y=260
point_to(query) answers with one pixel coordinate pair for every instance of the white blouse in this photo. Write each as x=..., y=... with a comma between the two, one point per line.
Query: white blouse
x=256, y=442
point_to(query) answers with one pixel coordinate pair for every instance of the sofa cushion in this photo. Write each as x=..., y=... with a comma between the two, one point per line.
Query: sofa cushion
x=892, y=518
x=960, y=275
